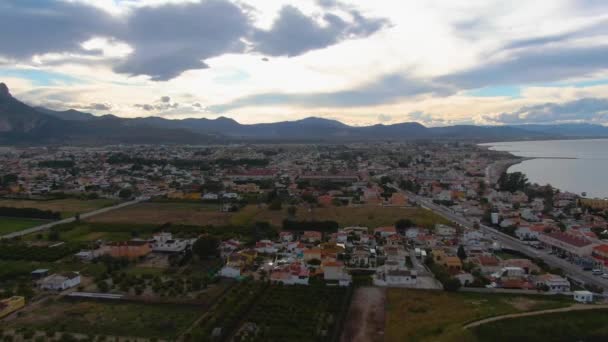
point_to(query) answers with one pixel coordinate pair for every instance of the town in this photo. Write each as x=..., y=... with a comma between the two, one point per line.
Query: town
x=237, y=242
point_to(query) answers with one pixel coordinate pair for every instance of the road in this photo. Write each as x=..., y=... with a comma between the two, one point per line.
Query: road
x=573, y=271
x=72, y=219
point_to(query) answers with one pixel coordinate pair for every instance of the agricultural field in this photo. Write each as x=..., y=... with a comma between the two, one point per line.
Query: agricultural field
x=415, y=315
x=318, y=311
x=159, y=321
x=67, y=207
x=189, y=213
x=587, y=325
x=85, y=231
x=10, y=224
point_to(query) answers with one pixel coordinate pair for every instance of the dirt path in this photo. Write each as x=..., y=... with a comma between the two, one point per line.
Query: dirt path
x=365, y=318
x=575, y=307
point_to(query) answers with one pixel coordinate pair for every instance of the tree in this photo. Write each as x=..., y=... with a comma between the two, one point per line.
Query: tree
x=292, y=210
x=275, y=205
x=206, y=246
x=512, y=182
x=404, y=224
x=125, y=193
x=462, y=254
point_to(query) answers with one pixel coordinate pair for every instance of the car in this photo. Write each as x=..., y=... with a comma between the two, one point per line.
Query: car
x=597, y=271
x=605, y=275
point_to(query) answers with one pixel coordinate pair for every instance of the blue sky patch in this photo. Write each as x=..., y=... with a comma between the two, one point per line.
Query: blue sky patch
x=40, y=77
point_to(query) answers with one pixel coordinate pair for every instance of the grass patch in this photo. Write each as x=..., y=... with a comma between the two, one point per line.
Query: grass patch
x=110, y=318
x=67, y=207
x=10, y=224
x=564, y=326
x=415, y=315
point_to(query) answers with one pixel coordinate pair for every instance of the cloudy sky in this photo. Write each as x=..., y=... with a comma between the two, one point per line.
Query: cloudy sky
x=437, y=62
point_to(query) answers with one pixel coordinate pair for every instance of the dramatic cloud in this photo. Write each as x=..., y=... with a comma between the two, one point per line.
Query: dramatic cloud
x=172, y=38
x=385, y=90
x=165, y=99
x=583, y=110
x=293, y=33
x=30, y=27
x=546, y=65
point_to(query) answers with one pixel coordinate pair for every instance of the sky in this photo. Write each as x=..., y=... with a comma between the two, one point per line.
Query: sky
x=437, y=62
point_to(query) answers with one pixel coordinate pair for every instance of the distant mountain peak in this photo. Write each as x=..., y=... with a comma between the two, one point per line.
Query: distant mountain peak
x=4, y=90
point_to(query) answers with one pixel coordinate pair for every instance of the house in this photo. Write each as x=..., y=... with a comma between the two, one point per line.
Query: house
x=312, y=236
x=60, y=282
x=40, y=273
x=552, y=282
x=230, y=271
x=398, y=199
x=488, y=264
x=88, y=255
x=165, y=243
x=335, y=271
x=600, y=252
x=567, y=243
x=266, y=247
x=10, y=305
x=130, y=249
x=385, y=231
x=312, y=254
x=291, y=274
x=529, y=232
x=583, y=297
x=452, y=263
x=444, y=230
x=526, y=264
x=286, y=236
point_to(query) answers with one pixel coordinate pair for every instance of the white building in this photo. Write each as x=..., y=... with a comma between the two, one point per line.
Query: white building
x=583, y=296
x=164, y=242
x=60, y=282
x=230, y=271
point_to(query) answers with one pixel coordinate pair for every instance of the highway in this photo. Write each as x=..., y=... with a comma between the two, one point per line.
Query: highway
x=571, y=270
x=72, y=219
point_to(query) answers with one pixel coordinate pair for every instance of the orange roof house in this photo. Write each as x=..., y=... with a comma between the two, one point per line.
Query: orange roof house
x=130, y=249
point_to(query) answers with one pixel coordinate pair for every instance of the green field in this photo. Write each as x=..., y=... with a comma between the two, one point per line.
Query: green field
x=10, y=224
x=415, y=315
x=588, y=325
x=164, y=321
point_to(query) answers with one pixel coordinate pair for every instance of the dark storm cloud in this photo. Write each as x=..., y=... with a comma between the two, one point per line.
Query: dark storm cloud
x=387, y=89
x=165, y=99
x=171, y=38
x=29, y=27
x=293, y=33
x=586, y=109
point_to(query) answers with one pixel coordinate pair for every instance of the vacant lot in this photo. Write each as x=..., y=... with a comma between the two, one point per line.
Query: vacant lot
x=67, y=207
x=202, y=214
x=416, y=315
x=565, y=326
x=110, y=318
x=365, y=318
x=9, y=224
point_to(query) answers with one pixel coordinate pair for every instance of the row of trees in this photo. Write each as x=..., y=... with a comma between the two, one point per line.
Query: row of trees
x=30, y=213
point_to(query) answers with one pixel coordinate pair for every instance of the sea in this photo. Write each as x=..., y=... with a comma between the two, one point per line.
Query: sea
x=577, y=166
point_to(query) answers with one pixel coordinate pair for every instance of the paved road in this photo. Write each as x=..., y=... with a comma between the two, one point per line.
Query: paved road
x=72, y=219
x=507, y=241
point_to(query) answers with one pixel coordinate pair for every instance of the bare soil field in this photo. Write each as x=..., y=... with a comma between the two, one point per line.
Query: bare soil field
x=202, y=214
x=366, y=315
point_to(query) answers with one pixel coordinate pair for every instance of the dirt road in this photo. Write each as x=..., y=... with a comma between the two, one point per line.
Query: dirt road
x=365, y=318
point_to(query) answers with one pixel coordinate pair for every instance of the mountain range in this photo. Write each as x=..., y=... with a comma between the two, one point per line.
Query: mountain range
x=23, y=124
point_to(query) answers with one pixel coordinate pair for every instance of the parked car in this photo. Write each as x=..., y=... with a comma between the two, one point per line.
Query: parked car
x=605, y=275
x=597, y=271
